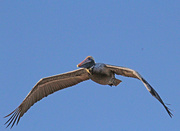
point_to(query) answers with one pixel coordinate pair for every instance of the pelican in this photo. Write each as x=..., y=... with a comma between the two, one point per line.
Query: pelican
x=100, y=73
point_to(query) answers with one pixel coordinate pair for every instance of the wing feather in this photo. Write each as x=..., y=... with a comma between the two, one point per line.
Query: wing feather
x=132, y=73
x=45, y=87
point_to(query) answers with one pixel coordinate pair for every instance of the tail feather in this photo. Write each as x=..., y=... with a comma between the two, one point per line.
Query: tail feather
x=117, y=82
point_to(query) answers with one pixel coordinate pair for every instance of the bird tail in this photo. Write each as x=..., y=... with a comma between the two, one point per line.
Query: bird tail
x=117, y=82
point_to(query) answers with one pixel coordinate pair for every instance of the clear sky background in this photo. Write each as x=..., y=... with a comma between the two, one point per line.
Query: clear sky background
x=44, y=38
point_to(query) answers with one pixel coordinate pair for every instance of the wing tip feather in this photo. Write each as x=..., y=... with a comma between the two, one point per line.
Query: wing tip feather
x=168, y=110
x=14, y=118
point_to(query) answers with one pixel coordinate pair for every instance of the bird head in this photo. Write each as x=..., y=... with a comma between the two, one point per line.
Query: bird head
x=87, y=63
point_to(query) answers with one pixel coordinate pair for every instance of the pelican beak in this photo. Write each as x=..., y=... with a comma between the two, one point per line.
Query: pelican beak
x=82, y=63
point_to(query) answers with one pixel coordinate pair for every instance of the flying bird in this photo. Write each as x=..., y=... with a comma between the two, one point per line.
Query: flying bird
x=100, y=73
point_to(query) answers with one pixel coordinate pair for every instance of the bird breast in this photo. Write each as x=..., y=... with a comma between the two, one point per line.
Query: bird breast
x=100, y=74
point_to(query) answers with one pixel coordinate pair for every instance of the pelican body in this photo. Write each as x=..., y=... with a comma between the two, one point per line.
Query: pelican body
x=100, y=73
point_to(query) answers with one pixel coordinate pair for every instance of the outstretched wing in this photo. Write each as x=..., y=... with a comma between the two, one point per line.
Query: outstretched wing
x=132, y=73
x=45, y=87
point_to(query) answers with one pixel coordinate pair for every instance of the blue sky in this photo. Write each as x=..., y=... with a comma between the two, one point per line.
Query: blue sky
x=44, y=38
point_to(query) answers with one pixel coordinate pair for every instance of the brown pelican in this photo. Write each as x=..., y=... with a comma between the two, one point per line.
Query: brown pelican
x=100, y=73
